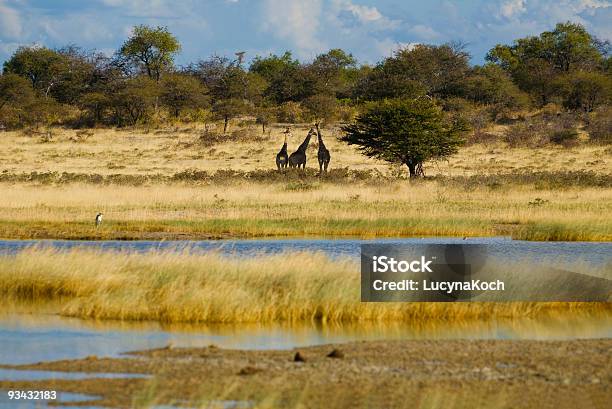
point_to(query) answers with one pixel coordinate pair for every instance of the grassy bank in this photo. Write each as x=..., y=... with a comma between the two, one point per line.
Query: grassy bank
x=308, y=207
x=184, y=287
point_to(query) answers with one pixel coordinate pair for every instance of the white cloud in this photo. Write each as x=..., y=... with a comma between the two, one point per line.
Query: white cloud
x=424, y=32
x=368, y=16
x=295, y=21
x=363, y=13
x=387, y=47
x=10, y=21
x=512, y=8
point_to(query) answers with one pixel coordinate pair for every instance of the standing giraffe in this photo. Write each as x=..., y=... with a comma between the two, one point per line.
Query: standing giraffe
x=282, y=158
x=298, y=157
x=323, y=154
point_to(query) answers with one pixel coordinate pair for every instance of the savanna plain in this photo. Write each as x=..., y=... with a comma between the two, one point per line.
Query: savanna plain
x=174, y=183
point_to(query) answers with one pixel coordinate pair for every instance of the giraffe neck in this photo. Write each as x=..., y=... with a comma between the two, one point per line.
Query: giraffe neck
x=304, y=144
x=321, y=144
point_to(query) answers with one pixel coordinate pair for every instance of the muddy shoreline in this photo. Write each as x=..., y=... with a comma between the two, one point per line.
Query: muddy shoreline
x=390, y=374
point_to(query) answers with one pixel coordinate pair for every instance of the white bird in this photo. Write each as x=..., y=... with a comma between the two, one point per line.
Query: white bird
x=98, y=219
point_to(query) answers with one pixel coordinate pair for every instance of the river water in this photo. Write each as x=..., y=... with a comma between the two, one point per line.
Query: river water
x=590, y=254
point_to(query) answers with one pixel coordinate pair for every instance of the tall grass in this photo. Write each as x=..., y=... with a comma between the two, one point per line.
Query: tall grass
x=185, y=286
x=250, y=209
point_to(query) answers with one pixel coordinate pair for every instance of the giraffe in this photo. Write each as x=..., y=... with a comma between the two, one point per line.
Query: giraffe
x=323, y=154
x=298, y=157
x=282, y=158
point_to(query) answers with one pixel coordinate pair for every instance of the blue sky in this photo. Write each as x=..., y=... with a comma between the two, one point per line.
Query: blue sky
x=370, y=29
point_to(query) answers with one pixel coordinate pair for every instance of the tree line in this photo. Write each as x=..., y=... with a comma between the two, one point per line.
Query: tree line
x=141, y=84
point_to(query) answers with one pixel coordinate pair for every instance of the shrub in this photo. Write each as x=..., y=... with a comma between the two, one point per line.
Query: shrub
x=565, y=137
x=543, y=129
x=321, y=106
x=528, y=133
x=290, y=112
x=477, y=116
x=600, y=125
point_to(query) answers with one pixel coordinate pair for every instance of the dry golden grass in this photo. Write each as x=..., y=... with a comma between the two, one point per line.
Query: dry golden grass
x=237, y=206
x=174, y=150
x=207, y=287
x=249, y=209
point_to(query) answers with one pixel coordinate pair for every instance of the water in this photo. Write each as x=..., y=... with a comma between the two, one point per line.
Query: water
x=33, y=337
x=595, y=253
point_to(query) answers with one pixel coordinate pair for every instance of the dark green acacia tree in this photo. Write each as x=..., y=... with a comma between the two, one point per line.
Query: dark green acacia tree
x=406, y=131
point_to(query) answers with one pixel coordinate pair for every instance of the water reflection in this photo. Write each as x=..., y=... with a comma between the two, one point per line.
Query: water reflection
x=30, y=336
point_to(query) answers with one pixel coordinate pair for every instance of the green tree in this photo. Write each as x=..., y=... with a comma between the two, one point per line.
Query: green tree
x=585, y=91
x=133, y=100
x=405, y=131
x=534, y=62
x=492, y=86
x=16, y=97
x=81, y=74
x=180, y=92
x=227, y=109
x=45, y=68
x=95, y=104
x=379, y=83
x=225, y=79
x=150, y=50
x=414, y=71
x=330, y=73
x=15, y=90
x=321, y=107
x=284, y=76
x=265, y=116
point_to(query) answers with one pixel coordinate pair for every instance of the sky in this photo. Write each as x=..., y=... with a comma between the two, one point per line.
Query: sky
x=370, y=30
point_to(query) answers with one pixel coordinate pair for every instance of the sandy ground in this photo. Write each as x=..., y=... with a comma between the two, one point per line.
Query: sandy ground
x=380, y=374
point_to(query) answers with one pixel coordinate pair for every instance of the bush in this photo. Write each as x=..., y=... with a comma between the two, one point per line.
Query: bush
x=600, y=126
x=321, y=106
x=290, y=112
x=477, y=116
x=347, y=113
x=541, y=130
x=526, y=134
x=565, y=137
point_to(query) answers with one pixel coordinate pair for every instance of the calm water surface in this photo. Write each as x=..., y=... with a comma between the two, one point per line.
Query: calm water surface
x=596, y=253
